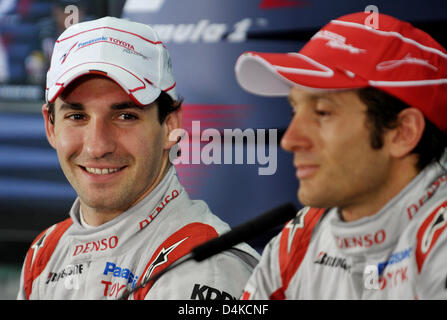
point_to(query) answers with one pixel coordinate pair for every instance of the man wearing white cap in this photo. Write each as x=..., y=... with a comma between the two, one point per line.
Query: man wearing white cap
x=111, y=106
x=368, y=135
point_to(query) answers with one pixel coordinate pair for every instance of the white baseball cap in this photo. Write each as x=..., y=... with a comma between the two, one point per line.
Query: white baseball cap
x=129, y=53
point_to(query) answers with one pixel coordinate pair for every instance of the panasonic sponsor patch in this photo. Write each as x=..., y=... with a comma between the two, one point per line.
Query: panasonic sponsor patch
x=395, y=258
x=119, y=272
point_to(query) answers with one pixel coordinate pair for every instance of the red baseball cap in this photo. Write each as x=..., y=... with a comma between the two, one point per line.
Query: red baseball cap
x=347, y=53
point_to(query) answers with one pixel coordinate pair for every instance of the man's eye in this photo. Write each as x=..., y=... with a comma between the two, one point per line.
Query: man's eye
x=127, y=116
x=322, y=113
x=76, y=116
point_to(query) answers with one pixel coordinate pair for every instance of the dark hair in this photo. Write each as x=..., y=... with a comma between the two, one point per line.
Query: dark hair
x=382, y=112
x=165, y=105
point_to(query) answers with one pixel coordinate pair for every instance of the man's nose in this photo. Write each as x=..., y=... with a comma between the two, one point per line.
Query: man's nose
x=99, y=139
x=297, y=135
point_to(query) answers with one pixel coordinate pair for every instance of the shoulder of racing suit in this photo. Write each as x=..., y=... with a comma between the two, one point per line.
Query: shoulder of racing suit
x=429, y=232
x=173, y=248
x=40, y=252
x=294, y=241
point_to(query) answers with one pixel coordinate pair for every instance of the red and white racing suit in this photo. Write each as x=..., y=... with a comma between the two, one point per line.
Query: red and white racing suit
x=68, y=261
x=398, y=253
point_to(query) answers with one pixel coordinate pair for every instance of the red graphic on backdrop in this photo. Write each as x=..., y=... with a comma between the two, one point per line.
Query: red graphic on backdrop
x=273, y=4
x=217, y=116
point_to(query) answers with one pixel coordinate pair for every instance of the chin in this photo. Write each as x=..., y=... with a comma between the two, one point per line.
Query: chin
x=312, y=200
x=101, y=203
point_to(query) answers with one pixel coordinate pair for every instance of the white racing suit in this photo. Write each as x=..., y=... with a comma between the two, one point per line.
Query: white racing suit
x=68, y=261
x=398, y=253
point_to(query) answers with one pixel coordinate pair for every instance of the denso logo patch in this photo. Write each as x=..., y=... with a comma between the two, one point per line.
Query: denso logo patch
x=95, y=246
x=429, y=192
x=362, y=241
x=169, y=197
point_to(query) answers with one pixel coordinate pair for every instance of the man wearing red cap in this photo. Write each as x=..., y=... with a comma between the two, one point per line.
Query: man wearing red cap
x=368, y=135
x=111, y=106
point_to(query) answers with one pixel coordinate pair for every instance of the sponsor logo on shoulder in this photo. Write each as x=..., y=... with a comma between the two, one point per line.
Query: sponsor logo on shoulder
x=439, y=222
x=428, y=193
x=169, y=197
x=161, y=259
x=293, y=225
x=429, y=232
x=41, y=242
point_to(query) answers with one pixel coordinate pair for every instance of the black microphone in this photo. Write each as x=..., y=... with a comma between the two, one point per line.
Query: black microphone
x=242, y=233
x=245, y=232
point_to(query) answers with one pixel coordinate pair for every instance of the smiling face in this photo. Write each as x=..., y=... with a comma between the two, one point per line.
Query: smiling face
x=112, y=152
x=330, y=139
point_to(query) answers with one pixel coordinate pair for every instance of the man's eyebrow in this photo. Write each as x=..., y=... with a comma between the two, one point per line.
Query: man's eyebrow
x=125, y=105
x=116, y=106
x=312, y=96
x=71, y=106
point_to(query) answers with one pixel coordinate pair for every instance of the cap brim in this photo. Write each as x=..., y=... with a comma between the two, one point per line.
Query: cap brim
x=140, y=90
x=273, y=74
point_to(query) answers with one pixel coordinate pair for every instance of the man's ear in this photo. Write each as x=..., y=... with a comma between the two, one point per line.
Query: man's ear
x=405, y=137
x=49, y=125
x=172, y=122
